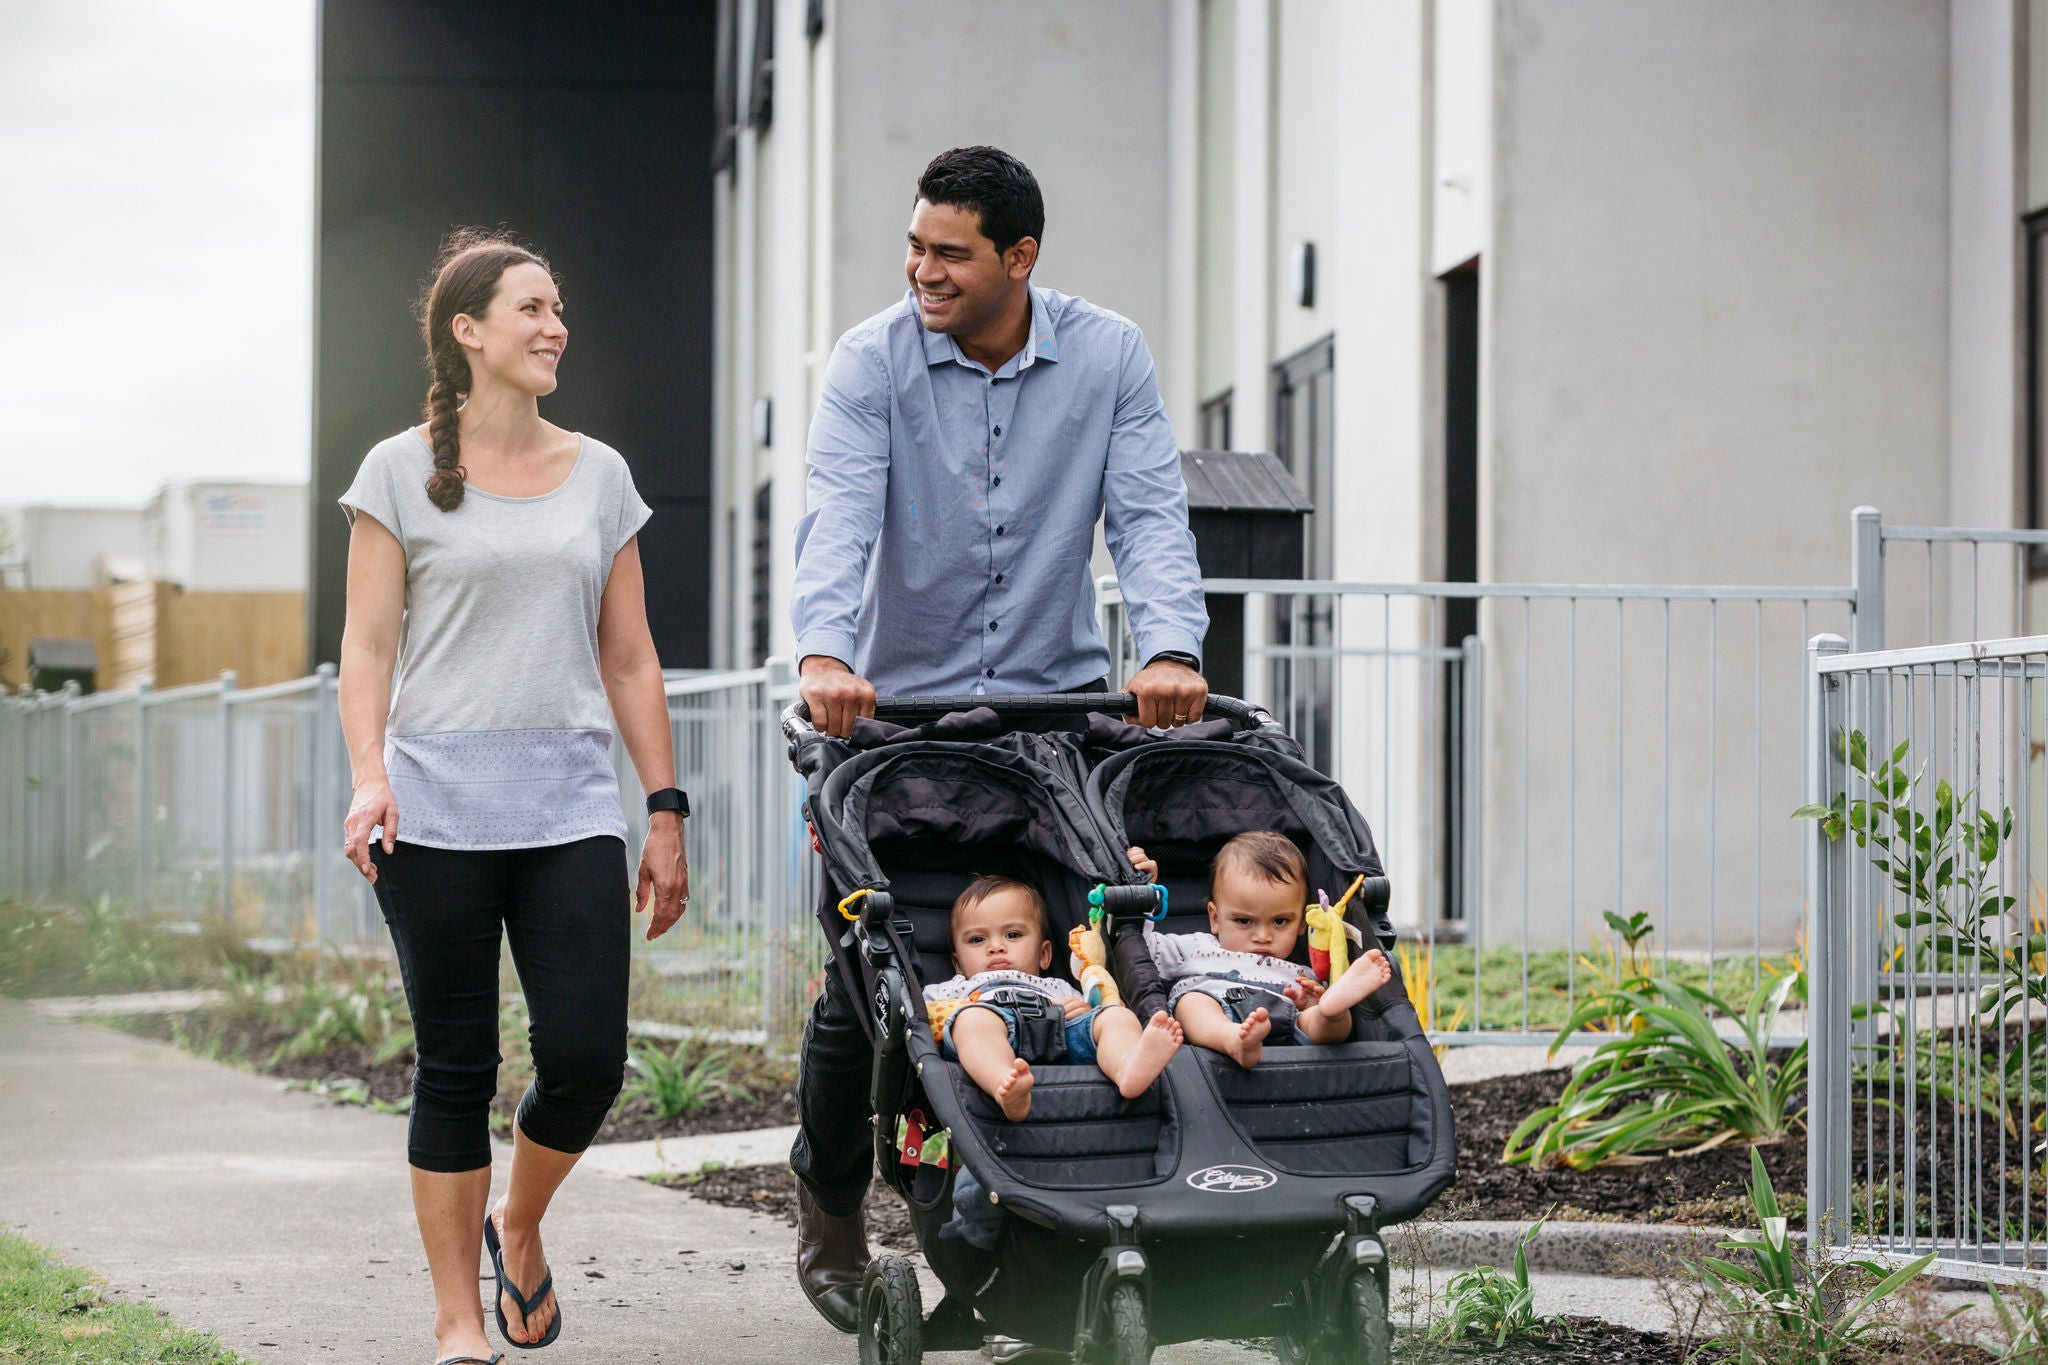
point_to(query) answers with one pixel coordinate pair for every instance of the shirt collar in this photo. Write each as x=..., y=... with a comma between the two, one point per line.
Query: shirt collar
x=1042, y=343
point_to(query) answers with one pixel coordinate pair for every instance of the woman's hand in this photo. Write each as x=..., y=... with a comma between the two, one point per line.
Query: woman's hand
x=665, y=871
x=371, y=806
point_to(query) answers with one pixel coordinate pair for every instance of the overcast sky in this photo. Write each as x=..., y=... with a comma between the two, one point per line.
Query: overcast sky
x=156, y=164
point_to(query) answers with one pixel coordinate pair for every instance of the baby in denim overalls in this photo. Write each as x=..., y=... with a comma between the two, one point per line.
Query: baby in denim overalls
x=1005, y=1016
x=1233, y=986
x=1009, y=1015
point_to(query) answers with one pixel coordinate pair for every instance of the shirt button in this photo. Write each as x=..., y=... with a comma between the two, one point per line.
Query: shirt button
x=998, y=481
x=991, y=625
x=999, y=578
x=999, y=431
x=991, y=673
x=999, y=530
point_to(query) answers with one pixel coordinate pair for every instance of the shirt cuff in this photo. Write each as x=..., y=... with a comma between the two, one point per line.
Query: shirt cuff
x=836, y=644
x=1168, y=640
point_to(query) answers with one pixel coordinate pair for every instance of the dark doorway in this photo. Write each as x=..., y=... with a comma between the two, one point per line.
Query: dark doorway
x=586, y=128
x=1461, y=556
x=1304, y=397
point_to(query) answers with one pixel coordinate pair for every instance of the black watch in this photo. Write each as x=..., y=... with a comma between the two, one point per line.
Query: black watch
x=1175, y=656
x=669, y=798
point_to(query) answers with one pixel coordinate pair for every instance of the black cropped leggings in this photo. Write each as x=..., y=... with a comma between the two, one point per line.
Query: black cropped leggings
x=566, y=911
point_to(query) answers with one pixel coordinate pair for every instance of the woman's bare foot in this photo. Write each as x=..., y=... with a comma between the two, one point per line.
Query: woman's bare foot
x=1360, y=979
x=1156, y=1045
x=1250, y=1043
x=1014, y=1094
x=461, y=1339
x=525, y=1267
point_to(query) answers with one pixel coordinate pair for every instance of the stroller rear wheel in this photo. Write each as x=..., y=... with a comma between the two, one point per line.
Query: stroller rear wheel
x=891, y=1313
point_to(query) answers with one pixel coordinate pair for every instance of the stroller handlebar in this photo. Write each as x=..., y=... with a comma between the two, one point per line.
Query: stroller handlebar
x=1242, y=715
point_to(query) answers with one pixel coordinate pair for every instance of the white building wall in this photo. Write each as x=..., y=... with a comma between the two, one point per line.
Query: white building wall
x=68, y=547
x=1719, y=320
x=229, y=537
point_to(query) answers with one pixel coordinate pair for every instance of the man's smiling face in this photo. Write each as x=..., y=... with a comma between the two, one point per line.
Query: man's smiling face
x=963, y=287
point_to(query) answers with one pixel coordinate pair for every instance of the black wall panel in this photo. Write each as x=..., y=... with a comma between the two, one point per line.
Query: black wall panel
x=586, y=128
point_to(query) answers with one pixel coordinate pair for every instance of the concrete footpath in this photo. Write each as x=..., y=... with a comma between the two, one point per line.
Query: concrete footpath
x=283, y=1224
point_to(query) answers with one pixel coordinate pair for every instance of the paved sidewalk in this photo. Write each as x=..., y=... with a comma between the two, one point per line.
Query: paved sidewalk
x=284, y=1225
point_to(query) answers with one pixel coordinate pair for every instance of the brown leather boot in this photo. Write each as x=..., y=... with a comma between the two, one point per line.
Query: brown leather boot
x=831, y=1259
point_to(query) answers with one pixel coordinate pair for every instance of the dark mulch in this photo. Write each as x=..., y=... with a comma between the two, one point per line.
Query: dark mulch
x=1588, y=1341
x=772, y=1190
x=1707, y=1188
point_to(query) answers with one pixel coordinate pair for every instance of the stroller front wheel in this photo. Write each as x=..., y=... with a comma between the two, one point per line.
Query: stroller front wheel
x=1368, y=1304
x=891, y=1313
x=1130, y=1335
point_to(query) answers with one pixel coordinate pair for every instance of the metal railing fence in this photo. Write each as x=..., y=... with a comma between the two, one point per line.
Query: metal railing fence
x=1928, y=1087
x=1530, y=756
x=220, y=805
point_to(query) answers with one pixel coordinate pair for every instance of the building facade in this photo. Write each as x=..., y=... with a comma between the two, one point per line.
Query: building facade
x=1523, y=291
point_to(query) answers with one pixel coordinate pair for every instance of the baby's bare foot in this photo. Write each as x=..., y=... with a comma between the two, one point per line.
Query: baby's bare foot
x=1360, y=979
x=1014, y=1094
x=1156, y=1045
x=1250, y=1044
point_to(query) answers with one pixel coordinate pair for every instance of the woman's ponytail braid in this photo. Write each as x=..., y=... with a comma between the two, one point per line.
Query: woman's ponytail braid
x=465, y=280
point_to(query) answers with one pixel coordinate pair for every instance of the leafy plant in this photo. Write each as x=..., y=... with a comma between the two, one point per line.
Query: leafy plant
x=1678, y=1084
x=1622, y=968
x=1486, y=1301
x=1783, y=1308
x=679, y=1081
x=2022, y=1322
x=1941, y=859
x=345, y=1005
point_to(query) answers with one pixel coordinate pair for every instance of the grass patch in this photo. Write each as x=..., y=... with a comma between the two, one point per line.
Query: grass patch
x=95, y=948
x=52, y=1313
x=1557, y=977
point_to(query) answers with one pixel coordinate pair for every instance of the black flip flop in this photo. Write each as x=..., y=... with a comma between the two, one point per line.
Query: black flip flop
x=527, y=1303
x=496, y=1356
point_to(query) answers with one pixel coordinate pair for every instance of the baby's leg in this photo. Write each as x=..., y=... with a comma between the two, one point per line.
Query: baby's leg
x=1206, y=1025
x=1131, y=1054
x=1360, y=979
x=982, y=1039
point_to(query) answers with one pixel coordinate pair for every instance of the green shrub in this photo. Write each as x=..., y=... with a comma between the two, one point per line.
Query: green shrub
x=680, y=1081
x=1670, y=1081
x=1486, y=1301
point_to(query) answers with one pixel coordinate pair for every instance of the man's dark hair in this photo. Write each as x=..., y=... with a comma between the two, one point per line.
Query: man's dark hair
x=995, y=185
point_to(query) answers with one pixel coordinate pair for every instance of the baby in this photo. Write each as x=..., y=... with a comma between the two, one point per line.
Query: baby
x=1002, y=945
x=1258, y=890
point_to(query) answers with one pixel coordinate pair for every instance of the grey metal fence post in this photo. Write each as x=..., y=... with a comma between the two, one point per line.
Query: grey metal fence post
x=67, y=799
x=1472, y=792
x=227, y=798
x=779, y=912
x=326, y=831
x=1866, y=576
x=145, y=807
x=1828, y=973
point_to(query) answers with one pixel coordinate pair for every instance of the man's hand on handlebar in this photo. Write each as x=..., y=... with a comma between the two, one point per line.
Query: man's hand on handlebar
x=836, y=695
x=1168, y=693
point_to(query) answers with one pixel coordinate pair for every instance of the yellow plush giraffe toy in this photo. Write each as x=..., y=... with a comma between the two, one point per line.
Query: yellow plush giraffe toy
x=1329, y=937
x=1091, y=965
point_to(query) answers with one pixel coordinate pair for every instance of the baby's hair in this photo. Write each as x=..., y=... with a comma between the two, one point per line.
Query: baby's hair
x=981, y=888
x=1263, y=853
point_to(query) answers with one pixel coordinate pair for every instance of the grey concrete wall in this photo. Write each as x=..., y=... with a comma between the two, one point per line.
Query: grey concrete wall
x=1720, y=319
x=1075, y=89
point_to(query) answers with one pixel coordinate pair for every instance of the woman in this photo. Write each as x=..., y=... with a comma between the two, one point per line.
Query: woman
x=493, y=562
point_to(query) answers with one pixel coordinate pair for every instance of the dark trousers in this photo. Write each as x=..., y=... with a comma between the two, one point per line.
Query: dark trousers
x=566, y=912
x=834, y=1150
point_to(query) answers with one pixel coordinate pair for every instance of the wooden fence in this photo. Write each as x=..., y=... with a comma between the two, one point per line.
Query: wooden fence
x=160, y=632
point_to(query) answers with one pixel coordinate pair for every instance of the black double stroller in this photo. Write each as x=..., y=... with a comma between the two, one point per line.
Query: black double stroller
x=1223, y=1202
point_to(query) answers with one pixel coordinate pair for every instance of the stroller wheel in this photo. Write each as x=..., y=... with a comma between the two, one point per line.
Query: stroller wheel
x=1130, y=1336
x=1373, y=1335
x=891, y=1313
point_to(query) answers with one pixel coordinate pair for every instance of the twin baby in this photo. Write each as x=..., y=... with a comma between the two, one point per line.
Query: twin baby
x=1231, y=986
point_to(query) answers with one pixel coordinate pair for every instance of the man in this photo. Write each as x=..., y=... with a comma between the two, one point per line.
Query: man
x=966, y=441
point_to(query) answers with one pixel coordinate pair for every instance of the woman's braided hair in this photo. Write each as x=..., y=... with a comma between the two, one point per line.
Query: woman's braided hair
x=465, y=280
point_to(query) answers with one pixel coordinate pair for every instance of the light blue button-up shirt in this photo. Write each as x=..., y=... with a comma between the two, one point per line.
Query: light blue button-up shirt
x=951, y=510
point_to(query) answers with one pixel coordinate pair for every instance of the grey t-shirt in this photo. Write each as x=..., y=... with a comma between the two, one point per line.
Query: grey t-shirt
x=499, y=731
